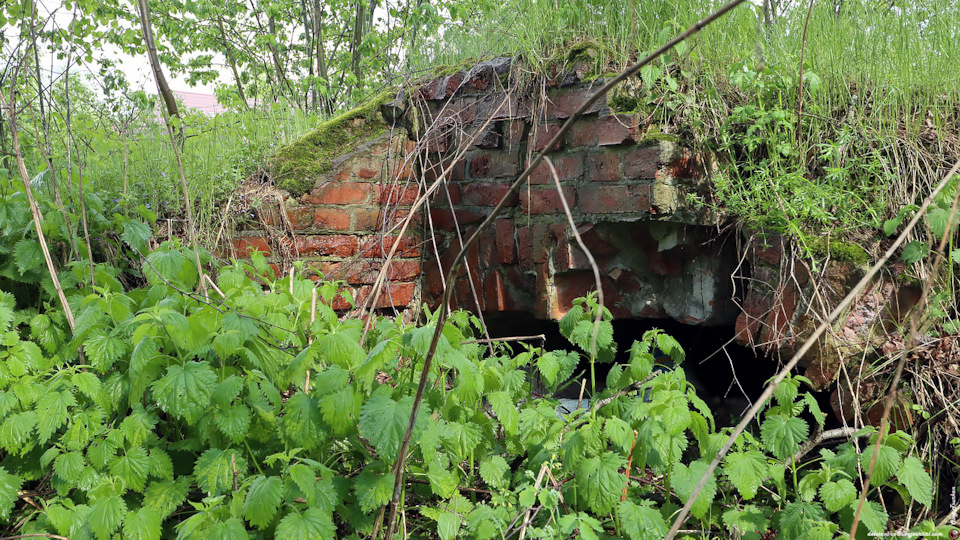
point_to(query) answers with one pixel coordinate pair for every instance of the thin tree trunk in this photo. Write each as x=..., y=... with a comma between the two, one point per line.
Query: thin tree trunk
x=228, y=49
x=83, y=205
x=321, y=53
x=161, y=84
x=163, y=88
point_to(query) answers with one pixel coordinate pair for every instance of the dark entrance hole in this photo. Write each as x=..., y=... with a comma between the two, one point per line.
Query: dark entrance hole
x=727, y=376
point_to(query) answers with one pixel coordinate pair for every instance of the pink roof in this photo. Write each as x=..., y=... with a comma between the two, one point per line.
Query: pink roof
x=205, y=103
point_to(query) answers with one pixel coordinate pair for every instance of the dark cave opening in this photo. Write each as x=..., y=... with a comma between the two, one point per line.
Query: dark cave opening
x=727, y=376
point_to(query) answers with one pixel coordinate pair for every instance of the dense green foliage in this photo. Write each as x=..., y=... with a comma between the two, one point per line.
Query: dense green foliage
x=237, y=417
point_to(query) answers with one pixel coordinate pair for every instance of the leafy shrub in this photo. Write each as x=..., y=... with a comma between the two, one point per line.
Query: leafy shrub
x=238, y=417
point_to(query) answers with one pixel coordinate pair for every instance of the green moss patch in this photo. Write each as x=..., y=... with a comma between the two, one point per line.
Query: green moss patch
x=838, y=250
x=298, y=165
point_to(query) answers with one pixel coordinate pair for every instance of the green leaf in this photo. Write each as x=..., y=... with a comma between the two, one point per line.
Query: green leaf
x=642, y=521
x=185, y=391
x=383, y=421
x=493, y=471
x=915, y=251
x=373, y=489
x=104, y=351
x=16, y=432
x=955, y=255
x=836, y=495
x=231, y=529
x=7, y=305
x=106, y=515
x=68, y=466
x=165, y=496
x=750, y=519
x=340, y=410
x=746, y=471
x=506, y=410
x=917, y=480
x=144, y=524
x=132, y=468
x=136, y=234
x=10, y=486
x=549, y=366
x=263, y=501
x=685, y=480
x=312, y=523
x=301, y=421
x=619, y=432
x=214, y=470
x=873, y=517
x=28, y=255
x=342, y=350
x=233, y=421
x=600, y=482
x=52, y=413
x=783, y=435
x=888, y=462
x=443, y=481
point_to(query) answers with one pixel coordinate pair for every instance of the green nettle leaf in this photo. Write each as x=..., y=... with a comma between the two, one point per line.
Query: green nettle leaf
x=373, y=489
x=917, y=480
x=16, y=432
x=312, y=523
x=619, y=432
x=836, y=495
x=685, y=480
x=27, y=255
x=263, y=501
x=185, y=391
x=873, y=516
x=642, y=521
x=341, y=349
x=68, y=466
x=915, y=251
x=132, y=468
x=301, y=421
x=233, y=421
x=748, y=520
x=144, y=524
x=787, y=391
x=888, y=462
x=746, y=471
x=214, y=470
x=106, y=515
x=52, y=413
x=548, y=365
x=493, y=471
x=136, y=234
x=506, y=410
x=443, y=481
x=10, y=486
x=783, y=434
x=383, y=421
x=340, y=410
x=600, y=482
x=165, y=496
x=231, y=529
x=138, y=425
x=7, y=305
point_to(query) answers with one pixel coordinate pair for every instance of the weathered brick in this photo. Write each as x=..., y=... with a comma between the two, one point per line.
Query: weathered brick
x=367, y=173
x=503, y=106
x=245, y=244
x=603, y=167
x=546, y=200
x=495, y=293
x=542, y=134
x=378, y=246
x=331, y=218
x=485, y=137
x=437, y=140
x=397, y=295
x=516, y=132
x=563, y=103
x=434, y=169
x=487, y=194
x=506, y=245
x=583, y=133
x=300, y=217
x=334, y=245
x=366, y=272
x=615, y=129
x=568, y=168
x=495, y=165
x=533, y=244
x=642, y=162
x=398, y=194
x=457, y=112
x=686, y=166
x=443, y=219
x=616, y=199
x=579, y=283
x=366, y=218
x=340, y=193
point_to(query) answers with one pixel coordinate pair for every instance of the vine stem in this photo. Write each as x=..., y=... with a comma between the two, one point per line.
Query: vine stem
x=807, y=345
x=514, y=188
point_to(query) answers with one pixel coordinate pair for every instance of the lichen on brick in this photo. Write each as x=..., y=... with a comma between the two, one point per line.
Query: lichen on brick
x=298, y=165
